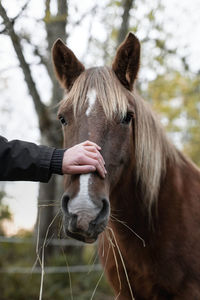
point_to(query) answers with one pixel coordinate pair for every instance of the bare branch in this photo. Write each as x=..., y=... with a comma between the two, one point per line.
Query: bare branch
x=90, y=37
x=39, y=106
x=90, y=12
x=36, y=51
x=21, y=11
x=43, y=60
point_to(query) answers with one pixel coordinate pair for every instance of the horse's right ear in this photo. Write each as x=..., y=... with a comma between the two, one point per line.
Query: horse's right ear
x=67, y=66
x=126, y=62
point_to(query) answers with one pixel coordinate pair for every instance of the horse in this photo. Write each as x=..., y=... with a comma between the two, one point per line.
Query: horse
x=146, y=212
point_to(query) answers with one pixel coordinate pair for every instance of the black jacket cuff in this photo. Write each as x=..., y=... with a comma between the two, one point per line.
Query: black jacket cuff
x=56, y=161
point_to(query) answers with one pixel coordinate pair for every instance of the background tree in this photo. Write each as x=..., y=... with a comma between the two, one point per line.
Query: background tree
x=176, y=98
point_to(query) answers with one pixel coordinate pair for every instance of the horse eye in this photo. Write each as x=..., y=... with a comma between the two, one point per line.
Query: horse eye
x=127, y=118
x=62, y=120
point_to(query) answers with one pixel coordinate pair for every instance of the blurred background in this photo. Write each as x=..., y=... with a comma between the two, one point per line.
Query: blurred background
x=169, y=79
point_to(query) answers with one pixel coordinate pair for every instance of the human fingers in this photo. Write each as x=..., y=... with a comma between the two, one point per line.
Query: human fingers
x=97, y=156
x=94, y=162
x=93, y=149
x=81, y=169
x=89, y=143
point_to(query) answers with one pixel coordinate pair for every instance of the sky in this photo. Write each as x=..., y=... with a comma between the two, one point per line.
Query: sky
x=18, y=120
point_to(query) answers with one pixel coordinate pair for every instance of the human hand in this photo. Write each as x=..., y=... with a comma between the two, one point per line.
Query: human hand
x=83, y=158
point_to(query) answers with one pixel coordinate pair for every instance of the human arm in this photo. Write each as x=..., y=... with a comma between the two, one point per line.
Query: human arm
x=20, y=160
x=26, y=161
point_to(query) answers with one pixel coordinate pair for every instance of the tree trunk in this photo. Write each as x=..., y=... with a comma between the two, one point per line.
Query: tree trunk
x=51, y=192
x=51, y=133
x=127, y=5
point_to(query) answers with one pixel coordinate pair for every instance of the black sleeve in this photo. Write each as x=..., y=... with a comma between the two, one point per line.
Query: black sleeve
x=56, y=161
x=21, y=160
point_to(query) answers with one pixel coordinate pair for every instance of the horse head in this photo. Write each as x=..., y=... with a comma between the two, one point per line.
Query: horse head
x=98, y=107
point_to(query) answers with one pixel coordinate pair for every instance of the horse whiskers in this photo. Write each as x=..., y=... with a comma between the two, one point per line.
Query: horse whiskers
x=116, y=219
x=116, y=262
x=122, y=261
x=123, y=223
x=101, y=275
x=108, y=237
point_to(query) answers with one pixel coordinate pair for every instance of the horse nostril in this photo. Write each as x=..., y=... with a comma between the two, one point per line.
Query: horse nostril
x=103, y=213
x=105, y=209
x=73, y=222
x=65, y=200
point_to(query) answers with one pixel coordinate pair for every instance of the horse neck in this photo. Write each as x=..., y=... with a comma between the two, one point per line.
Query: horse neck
x=179, y=192
x=128, y=205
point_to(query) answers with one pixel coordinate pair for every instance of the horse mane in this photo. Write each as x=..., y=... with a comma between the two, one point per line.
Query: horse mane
x=153, y=151
x=152, y=148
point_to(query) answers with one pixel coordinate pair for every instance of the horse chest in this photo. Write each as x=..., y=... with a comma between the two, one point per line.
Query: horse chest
x=140, y=270
x=128, y=268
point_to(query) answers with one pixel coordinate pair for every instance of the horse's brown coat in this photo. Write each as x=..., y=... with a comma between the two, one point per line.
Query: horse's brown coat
x=151, y=186
x=169, y=266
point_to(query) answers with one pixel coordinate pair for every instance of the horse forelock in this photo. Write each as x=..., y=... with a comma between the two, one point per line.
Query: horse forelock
x=152, y=147
x=109, y=92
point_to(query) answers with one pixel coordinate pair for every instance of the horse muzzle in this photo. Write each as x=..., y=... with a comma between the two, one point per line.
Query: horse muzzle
x=84, y=223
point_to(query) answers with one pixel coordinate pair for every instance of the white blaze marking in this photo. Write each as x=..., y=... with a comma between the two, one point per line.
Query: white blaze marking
x=82, y=205
x=91, y=95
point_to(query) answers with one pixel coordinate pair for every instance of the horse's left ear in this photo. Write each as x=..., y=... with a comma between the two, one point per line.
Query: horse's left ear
x=67, y=67
x=126, y=62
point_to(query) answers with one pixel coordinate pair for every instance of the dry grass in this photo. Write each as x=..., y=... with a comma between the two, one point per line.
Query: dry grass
x=123, y=263
x=41, y=260
x=100, y=278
